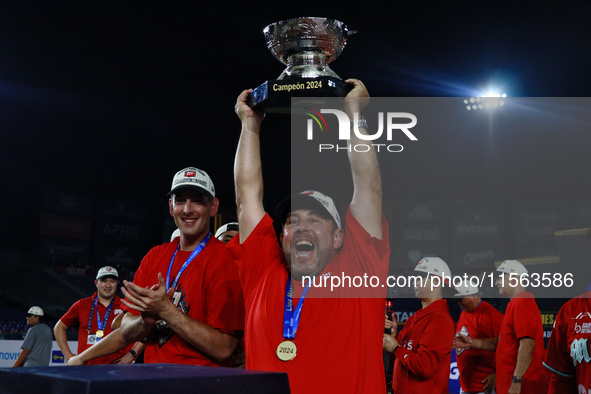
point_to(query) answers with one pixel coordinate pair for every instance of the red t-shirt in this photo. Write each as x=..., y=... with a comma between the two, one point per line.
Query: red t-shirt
x=424, y=356
x=474, y=364
x=339, y=340
x=79, y=313
x=569, y=349
x=522, y=319
x=209, y=291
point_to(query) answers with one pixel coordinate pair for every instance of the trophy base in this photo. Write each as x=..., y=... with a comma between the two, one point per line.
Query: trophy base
x=275, y=96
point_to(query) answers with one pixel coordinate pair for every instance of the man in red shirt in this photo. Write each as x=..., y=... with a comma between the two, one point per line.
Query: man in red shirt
x=94, y=315
x=334, y=344
x=520, y=345
x=423, y=347
x=185, y=300
x=569, y=349
x=478, y=320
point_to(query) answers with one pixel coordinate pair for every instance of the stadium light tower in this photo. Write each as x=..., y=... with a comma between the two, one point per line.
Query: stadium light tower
x=491, y=99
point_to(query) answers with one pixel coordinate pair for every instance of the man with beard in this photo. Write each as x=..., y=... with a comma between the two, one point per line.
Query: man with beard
x=326, y=345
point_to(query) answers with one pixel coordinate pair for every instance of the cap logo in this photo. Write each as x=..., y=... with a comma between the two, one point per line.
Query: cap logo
x=190, y=173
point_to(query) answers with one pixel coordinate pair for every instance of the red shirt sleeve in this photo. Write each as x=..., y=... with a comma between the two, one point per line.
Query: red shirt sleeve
x=70, y=318
x=254, y=255
x=557, y=356
x=527, y=310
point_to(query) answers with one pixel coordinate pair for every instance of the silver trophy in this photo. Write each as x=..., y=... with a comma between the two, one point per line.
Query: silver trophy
x=306, y=46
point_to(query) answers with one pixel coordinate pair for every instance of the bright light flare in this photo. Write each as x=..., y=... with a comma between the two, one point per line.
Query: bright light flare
x=487, y=100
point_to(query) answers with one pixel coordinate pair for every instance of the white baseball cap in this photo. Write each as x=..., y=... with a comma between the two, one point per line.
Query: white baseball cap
x=232, y=226
x=512, y=266
x=466, y=289
x=107, y=271
x=35, y=310
x=435, y=266
x=194, y=178
x=310, y=199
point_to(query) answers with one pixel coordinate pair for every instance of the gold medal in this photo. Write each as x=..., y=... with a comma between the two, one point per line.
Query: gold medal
x=287, y=350
x=99, y=333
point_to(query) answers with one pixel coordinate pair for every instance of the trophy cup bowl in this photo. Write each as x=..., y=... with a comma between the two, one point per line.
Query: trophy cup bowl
x=306, y=46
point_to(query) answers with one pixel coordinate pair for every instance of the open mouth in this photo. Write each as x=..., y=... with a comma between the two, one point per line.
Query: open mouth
x=304, y=246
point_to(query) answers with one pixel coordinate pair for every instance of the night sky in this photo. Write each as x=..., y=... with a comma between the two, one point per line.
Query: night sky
x=110, y=100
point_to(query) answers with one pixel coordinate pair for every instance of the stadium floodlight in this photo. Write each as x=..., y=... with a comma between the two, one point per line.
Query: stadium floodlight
x=487, y=100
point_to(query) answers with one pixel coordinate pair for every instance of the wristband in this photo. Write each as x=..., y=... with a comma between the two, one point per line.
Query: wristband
x=362, y=123
x=133, y=353
x=515, y=379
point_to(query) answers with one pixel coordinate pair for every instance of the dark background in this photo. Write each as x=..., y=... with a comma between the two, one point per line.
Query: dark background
x=107, y=101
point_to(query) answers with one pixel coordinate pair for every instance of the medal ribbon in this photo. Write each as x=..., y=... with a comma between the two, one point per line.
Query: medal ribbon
x=100, y=324
x=291, y=317
x=197, y=250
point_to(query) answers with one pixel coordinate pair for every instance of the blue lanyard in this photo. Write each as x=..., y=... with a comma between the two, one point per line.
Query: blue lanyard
x=291, y=317
x=100, y=324
x=197, y=250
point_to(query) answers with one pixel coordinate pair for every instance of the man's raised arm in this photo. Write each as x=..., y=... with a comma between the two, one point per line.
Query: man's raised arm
x=366, y=204
x=248, y=175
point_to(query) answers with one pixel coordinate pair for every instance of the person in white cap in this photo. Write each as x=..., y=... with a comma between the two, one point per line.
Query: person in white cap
x=331, y=345
x=569, y=349
x=423, y=347
x=94, y=316
x=226, y=232
x=520, y=344
x=176, y=233
x=478, y=320
x=186, y=298
x=36, y=348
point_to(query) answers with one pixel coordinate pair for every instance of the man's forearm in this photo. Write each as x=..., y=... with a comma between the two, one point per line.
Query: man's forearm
x=247, y=166
x=109, y=344
x=59, y=331
x=20, y=361
x=248, y=178
x=366, y=204
x=201, y=336
x=133, y=328
x=524, y=356
x=485, y=343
